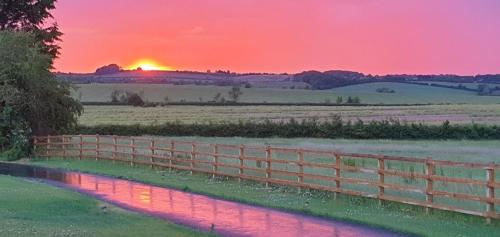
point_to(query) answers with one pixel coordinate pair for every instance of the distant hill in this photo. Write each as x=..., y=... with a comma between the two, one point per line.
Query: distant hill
x=185, y=78
x=305, y=80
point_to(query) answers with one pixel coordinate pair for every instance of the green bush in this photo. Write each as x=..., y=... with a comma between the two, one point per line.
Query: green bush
x=14, y=153
x=313, y=128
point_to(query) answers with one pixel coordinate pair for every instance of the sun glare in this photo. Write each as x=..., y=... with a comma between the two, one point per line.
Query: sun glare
x=149, y=65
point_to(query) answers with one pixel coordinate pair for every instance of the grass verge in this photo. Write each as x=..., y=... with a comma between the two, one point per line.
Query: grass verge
x=29, y=208
x=394, y=216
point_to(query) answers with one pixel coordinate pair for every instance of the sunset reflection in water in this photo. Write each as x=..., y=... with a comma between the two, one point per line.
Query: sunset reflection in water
x=229, y=218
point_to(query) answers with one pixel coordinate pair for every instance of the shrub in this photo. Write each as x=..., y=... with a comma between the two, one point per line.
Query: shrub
x=333, y=128
x=385, y=90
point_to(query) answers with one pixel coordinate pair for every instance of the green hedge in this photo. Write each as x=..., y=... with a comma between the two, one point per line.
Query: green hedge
x=311, y=128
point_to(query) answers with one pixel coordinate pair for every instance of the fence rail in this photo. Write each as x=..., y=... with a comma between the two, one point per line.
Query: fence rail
x=434, y=184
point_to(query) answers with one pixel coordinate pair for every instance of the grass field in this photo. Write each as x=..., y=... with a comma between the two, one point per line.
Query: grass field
x=390, y=215
x=467, y=151
x=405, y=94
x=29, y=208
x=432, y=114
x=467, y=85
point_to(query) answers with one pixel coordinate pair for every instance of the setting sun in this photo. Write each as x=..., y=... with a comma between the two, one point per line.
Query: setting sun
x=148, y=65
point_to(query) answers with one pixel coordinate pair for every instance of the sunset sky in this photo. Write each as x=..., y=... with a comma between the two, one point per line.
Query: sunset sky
x=370, y=36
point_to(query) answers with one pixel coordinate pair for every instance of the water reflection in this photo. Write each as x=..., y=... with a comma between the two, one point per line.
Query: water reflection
x=229, y=218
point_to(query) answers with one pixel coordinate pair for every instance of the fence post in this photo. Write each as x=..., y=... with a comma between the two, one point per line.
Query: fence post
x=132, y=147
x=152, y=152
x=115, y=149
x=240, y=157
x=215, y=160
x=337, y=175
x=48, y=147
x=381, y=179
x=429, y=171
x=193, y=157
x=172, y=154
x=64, y=147
x=97, y=146
x=300, y=177
x=490, y=192
x=81, y=147
x=35, y=141
x=268, y=165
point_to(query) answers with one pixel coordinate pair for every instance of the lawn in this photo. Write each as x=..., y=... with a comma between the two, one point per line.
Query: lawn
x=430, y=114
x=404, y=94
x=30, y=208
x=463, y=151
x=394, y=216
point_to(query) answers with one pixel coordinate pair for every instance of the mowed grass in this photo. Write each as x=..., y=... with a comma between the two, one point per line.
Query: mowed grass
x=466, y=151
x=394, y=216
x=430, y=114
x=30, y=208
x=405, y=94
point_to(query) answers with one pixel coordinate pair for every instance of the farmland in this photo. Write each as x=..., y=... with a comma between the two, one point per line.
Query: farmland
x=431, y=114
x=404, y=94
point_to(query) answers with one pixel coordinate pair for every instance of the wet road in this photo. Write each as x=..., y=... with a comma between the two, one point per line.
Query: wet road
x=197, y=211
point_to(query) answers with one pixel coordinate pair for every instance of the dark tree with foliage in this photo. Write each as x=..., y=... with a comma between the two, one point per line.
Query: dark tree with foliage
x=32, y=16
x=134, y=99
x=32, y=100
x=109, y=69
x=235, y=93
x=339, y=100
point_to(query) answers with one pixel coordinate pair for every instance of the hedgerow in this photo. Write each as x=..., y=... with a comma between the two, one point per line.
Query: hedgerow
x=334, y=128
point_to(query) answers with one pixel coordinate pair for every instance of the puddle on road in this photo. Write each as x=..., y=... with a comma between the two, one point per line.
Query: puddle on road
x=193, y=210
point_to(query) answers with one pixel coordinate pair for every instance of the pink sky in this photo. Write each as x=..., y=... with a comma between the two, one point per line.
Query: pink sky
x=370, y=36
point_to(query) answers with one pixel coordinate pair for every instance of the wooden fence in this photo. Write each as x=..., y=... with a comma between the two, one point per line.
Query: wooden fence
x=434, y=184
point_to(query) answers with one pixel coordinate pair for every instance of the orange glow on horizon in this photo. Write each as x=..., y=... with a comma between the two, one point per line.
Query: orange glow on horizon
x=372, y=37
x=148, y=65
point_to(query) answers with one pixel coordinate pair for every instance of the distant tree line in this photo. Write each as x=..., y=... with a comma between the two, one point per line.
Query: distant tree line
x=336, y=78
x=315, y=79
x=485, y=89
x=334, y=128
x=330, y=79
x=109, y=69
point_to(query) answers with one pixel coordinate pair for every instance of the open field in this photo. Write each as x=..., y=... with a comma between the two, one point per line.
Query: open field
x=389, y=215
x=29, y=208
x=430, y=114
x=404, y=94
x=466, y=151
x=472, y=85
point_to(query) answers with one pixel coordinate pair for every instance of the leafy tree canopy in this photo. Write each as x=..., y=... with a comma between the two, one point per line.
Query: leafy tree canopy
x=109, y=69
x=32, y=16
x=32, y=100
